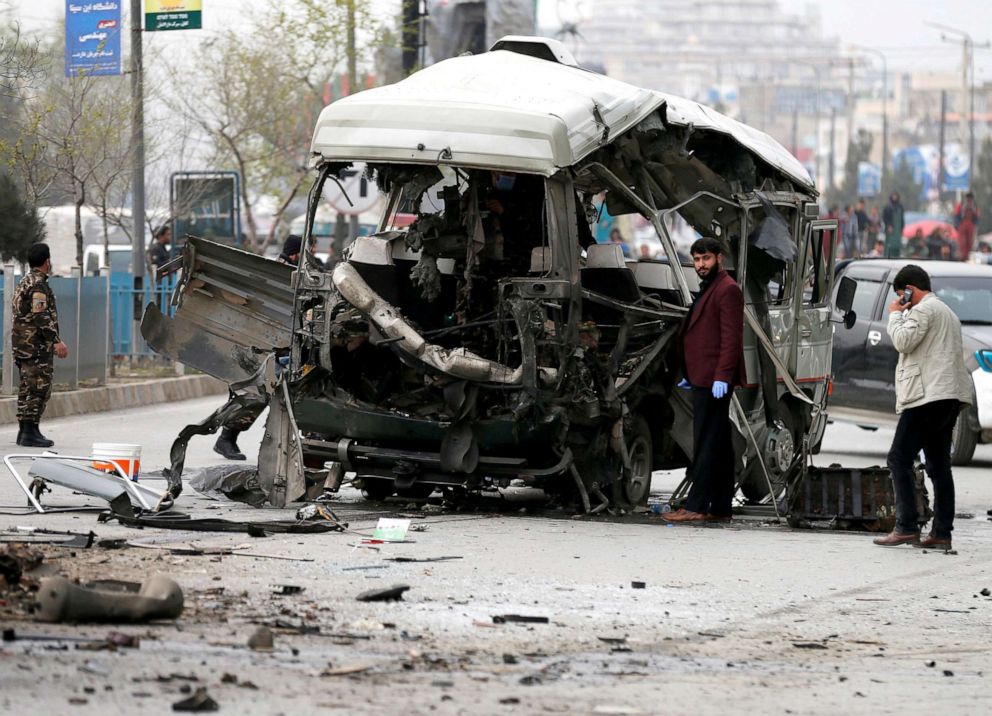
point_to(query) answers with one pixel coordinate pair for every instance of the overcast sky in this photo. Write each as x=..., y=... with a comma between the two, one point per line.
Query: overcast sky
x=897, y=27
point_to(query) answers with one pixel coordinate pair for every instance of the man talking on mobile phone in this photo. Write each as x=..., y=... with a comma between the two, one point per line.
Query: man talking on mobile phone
x=931, y=385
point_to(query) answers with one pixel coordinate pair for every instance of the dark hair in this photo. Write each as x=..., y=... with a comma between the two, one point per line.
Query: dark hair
x=160, y=231
x=292, y=245
x=38, y=254
x=707, y=245
x=911, y=275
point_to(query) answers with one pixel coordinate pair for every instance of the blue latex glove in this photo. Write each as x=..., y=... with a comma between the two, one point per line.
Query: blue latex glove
x=719, y=389
x=685, y=384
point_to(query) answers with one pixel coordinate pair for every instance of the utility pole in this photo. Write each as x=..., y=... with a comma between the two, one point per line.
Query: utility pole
x=137, y=174
x=967, y=91
x=352, y=61
x=410, y=35
x=850, y=100
x=816, y=112
x=885, y=102
x=795, y=130
x=940, y=161
x=352, y=87
x=833, y=147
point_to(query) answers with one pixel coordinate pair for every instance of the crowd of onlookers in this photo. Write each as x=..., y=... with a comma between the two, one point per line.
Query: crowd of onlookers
x=864, y=232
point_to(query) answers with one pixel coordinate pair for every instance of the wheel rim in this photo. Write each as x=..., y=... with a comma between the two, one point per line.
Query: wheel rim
x=638, y=482
x=780, y=451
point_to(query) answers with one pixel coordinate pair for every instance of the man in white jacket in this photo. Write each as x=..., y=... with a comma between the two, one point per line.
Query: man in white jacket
x=931, y=385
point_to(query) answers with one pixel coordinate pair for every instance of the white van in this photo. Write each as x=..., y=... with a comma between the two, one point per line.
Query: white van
x=60, y=235
x=117, y=257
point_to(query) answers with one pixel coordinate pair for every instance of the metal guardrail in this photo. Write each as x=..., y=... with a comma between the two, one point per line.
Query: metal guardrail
x=96, y=320
x=122, y=318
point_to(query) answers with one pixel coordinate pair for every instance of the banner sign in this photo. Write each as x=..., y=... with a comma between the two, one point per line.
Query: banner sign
x=92, y=38
x=869, y=179
x=924, y=160
x=173, y=15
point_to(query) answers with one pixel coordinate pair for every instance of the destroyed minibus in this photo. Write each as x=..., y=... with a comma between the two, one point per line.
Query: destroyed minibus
x=492, y=340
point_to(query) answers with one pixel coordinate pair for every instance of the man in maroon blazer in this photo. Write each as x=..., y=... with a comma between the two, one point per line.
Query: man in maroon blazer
x=712, y=354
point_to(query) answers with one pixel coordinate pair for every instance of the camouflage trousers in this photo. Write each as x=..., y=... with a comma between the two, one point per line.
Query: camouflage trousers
x=35, y=388
x=245, y=420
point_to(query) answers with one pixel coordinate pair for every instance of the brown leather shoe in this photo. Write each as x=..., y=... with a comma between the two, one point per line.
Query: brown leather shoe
x=719, y=518
x=684, y=515
x=896, y=538
x=934, y=542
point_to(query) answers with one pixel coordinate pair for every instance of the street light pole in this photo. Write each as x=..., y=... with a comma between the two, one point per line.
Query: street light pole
x=816, y=71
x=967, y=61
x=885, y=101
x=138, y=175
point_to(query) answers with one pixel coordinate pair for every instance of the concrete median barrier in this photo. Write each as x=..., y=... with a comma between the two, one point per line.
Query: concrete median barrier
x=120, y=396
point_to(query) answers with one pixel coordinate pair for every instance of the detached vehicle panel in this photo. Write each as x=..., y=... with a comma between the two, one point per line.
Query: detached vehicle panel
x=864, y=359
x=492, y=339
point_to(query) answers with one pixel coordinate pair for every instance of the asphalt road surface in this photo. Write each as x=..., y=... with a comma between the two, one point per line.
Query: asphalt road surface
x=748, y=617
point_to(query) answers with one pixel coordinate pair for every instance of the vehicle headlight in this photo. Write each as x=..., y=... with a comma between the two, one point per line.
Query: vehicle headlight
x=984, y=358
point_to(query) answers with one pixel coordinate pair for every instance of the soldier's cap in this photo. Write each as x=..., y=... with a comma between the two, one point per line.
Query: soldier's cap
x=292, y=245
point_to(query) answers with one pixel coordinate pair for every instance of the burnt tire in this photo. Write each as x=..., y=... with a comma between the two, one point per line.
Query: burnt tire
x=754, y=486
x=963, y=439
x=376, y=488
x=640, y=448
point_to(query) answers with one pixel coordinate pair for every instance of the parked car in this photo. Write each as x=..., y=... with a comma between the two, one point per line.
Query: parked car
x=864, y=359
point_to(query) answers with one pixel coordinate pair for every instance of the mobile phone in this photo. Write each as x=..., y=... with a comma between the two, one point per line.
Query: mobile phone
x=907, y=296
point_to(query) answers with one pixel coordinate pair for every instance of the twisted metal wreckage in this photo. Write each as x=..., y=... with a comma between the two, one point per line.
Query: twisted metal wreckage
x=492, y=339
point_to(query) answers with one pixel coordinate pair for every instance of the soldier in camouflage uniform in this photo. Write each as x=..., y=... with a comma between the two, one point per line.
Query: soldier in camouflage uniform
x=35, y=338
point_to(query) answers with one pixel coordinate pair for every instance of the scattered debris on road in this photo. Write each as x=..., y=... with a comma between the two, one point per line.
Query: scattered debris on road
x=519, y=619
x=200, y=701
x=261, y=639
x=392, y=594
x=56, y=538
x=15, y=559
x=284, y=590
x=60, y=600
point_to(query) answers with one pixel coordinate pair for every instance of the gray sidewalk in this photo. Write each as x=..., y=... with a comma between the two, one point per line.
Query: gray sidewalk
x=119, y=396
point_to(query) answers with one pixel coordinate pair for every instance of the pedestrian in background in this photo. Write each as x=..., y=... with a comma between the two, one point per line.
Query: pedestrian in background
x=966, y=218
x=859, y=211
x=850, y=236
x=893, y=219
x=931, y=386
x=158, y=252
x=35, y=341
x=617, y=238
x=874, y=226
x=916, y=246
x=711, y=346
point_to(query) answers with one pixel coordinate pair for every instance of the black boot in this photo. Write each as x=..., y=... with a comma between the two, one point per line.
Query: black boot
x=20, y=431
x=227, y=444
x=32, y=437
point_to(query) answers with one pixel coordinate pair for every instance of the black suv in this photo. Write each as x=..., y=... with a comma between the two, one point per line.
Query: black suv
x=864, y=360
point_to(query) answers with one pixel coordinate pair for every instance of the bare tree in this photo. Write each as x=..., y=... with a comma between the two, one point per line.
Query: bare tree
x=20, y=61
x=70, y=133
x=261, y=98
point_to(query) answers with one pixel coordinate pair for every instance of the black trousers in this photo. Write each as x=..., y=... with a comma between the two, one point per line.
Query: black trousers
x=712, y=490
x=927, y=428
